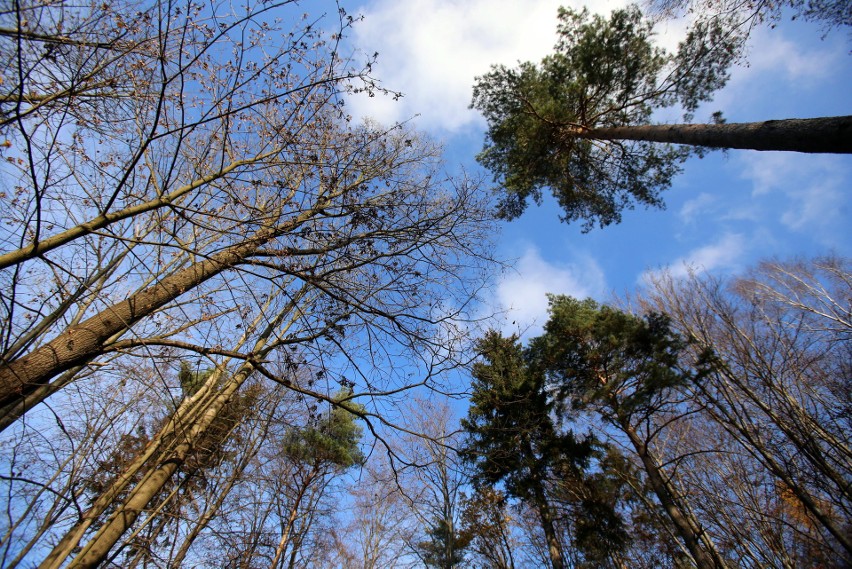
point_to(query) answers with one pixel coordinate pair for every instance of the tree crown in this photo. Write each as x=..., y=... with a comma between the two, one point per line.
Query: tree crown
x=603, y=73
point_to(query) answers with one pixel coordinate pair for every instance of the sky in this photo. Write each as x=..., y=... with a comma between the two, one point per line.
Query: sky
x=724, y=213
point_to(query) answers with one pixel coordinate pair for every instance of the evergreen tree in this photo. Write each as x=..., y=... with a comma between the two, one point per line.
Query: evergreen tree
x=624, y=369
x=579, y=122
x=445, y=547
x=512, y=438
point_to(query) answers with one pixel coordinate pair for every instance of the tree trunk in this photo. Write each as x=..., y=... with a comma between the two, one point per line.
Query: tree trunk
x=96, y=551
x=823, y=135
x=554, y=549
x=291, y=521
x=187, y=413
x=176, y=562
x=79, y=344
x=686, y=525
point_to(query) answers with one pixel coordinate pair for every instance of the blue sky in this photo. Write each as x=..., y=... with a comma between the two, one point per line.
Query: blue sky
x=723, y=213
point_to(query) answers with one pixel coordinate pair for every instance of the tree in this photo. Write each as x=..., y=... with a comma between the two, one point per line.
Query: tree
x=221, y=443
x=431, y=478
x=779, y=336
x=489, y=524
x=511, y=437
x=624, y=368
x=316, y=454
x=380, y=529
x=217, y=206
x=829, y=13
x=578, y=123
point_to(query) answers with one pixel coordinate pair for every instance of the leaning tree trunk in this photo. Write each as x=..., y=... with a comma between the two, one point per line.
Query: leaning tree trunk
x=199, y=417
x=96, y=551
x=79, y=344
x=187, y=413
x=685, y=523
x=819, y=135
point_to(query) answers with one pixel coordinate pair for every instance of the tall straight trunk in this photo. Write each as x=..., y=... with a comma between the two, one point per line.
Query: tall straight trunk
x=701, y=548
x=819, y=135
x=195, y=425
x=291, y=520
x=741, y=432
x=81, y=343
x=187, y=413
x=546, y=517
x=554, y=549
x=96, y=551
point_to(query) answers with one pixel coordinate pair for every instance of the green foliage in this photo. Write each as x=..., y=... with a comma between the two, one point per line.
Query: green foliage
x=593, y=358
x=604, y=73
x=513, y=440
x=602, y=356
x=511, y=434
x=334, y=438
x=191, y=380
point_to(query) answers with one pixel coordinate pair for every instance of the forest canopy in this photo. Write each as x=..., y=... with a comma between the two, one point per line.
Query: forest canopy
x=242, y=325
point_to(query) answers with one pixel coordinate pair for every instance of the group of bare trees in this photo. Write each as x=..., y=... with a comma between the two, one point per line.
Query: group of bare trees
x=776, y=473
x=204, y=261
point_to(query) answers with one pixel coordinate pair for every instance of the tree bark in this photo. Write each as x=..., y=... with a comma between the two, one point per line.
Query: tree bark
x=291, y=522
x=687, y=527
x=554, y=549
x=96, y=551
x=818, y=135
x=187, y=413
x=79, y=344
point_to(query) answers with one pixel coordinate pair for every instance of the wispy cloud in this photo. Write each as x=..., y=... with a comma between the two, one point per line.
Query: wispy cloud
x=813, y=191
x=775, y=58
x=697, y=207
x=780, y=55
x=724, y=254
x=522, y=292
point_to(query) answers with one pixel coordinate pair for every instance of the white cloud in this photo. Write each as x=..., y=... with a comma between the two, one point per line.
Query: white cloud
x=812, y=190
x=776, y=65
x=433, y=49
x=523, y=291
x=773, y=53
x=725, y=254
x=697, y=206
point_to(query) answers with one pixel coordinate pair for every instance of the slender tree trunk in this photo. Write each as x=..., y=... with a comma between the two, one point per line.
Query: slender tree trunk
x=819, y=135
x=687, y=526
x=187, y=413
x=94, y=553
x=79, y=344
x=554, y=549
x=222, y=493
x=196, y=423
x=741, y=432
x=291, y=521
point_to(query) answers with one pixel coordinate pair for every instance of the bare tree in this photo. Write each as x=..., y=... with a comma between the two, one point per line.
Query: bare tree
x=182, y=171
x=778, y=339
x=380, y=528
x=218, y=206
x=433, y=479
